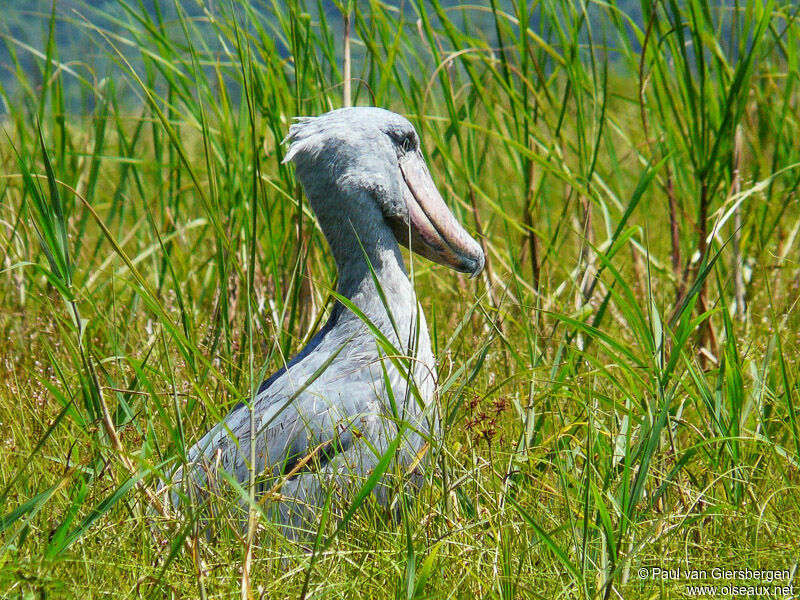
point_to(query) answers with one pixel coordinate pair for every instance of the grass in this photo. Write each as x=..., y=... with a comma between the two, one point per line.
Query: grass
x=619, y=388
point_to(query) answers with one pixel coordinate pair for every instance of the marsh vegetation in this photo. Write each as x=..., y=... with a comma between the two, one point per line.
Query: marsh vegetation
x=618, y=390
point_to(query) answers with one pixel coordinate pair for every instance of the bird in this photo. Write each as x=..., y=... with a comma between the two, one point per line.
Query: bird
x=364, y=385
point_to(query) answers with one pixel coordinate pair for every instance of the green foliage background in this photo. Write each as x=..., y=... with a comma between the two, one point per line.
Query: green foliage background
x=620, y=387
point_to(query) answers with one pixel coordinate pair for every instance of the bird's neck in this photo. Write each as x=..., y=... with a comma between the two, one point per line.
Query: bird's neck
x=372, y=274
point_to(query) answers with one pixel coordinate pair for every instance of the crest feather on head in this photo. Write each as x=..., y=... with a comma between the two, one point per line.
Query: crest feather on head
x=300, y=134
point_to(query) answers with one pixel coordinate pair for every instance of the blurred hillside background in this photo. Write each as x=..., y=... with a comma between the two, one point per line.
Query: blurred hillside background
x=25, y=25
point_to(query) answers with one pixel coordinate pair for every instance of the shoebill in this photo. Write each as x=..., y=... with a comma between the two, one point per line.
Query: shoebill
x=364, y=384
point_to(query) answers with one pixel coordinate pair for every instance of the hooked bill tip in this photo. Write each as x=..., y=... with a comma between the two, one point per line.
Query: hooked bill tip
x=479, y=263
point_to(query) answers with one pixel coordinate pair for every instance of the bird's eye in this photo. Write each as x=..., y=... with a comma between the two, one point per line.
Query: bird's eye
x=407, y=144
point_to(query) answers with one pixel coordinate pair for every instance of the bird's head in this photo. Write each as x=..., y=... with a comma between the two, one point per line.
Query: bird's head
x=372, y=155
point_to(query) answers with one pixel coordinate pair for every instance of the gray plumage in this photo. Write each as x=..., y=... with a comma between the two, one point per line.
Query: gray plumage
x=367, y=182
